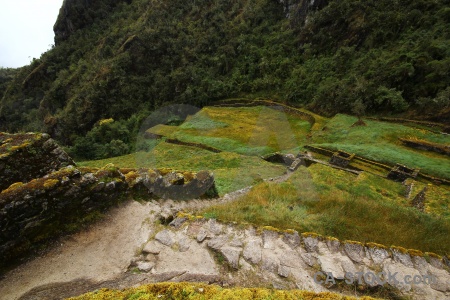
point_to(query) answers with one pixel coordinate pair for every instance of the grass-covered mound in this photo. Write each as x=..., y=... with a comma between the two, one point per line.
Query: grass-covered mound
x=331, y=202
x=184, y=290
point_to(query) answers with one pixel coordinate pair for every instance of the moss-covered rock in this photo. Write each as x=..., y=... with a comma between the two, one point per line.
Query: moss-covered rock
x=25, y=156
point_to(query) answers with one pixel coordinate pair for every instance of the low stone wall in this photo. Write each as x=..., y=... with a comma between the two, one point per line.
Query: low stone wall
x=425, y=145
x=27, y=156
x=58, y=203
x=48, y=206
x=195, y=248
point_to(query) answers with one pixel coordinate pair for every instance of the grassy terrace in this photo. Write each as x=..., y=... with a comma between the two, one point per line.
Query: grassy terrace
x=321, y=199
x=244, y=130
x=231, y=170
x=331, y=202
x=379, y=141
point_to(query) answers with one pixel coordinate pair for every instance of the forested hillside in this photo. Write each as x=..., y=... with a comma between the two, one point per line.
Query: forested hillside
x=123, y=59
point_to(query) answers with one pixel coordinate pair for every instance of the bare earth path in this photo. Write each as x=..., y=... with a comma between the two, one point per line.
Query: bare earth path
x=100, y=253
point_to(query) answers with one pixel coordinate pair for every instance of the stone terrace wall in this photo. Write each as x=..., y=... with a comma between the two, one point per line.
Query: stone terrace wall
x=288, y=259
x=24, y=157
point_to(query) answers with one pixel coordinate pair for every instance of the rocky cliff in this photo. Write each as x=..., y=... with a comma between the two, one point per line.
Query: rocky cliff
x=77, y=14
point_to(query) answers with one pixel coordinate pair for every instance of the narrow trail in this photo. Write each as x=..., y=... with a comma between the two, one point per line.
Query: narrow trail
x=100, y=255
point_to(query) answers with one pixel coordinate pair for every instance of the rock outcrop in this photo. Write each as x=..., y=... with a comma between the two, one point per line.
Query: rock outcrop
x=288, y=260
x=76, y=14
x=26, y=156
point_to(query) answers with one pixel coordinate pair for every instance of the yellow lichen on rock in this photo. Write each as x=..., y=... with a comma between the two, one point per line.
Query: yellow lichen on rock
x=375, y=245
x=399, y=249
x=50, y=183
x=12, y=187
x=188, y=290
x=414, y=252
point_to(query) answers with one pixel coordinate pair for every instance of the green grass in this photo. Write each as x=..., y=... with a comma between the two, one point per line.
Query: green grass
x=331, y=202
x=162, y=129
x=244, y=130
x=379, y=141
x=232, y=171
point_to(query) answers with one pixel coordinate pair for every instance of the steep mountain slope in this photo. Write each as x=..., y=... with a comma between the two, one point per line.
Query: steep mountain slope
x=122, y=59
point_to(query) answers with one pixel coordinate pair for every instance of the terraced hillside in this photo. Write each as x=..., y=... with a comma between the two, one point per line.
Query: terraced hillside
x=358, y=202
x=297, y=194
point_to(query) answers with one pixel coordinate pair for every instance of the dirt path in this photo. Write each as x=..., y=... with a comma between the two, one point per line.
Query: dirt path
x=99, y=255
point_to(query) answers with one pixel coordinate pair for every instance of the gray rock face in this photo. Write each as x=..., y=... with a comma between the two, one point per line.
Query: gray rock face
x=217, y=243
x=269, y=239
x=178, y=222
x=145, y=266
x=152, y=247
x=378, y=255
x=183, y=244
x=269, y=262
x=202, y=234
x=333, y=245
x=214, y=227
x=403, y=258
x=354, y=251
x=279, y=260
x=309, y=259
x=284, y=271
x=231, y=254
x=292, y=239
x=311, y=243
x=165, y=237
x=252, y=251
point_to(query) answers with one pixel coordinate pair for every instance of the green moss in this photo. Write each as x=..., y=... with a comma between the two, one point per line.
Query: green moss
x=50, y=183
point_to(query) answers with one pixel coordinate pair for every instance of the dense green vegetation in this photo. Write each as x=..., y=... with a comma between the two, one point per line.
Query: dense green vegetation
x=128, y=59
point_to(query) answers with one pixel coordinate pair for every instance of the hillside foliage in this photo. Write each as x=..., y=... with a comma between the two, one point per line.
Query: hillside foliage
x=136, y=56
